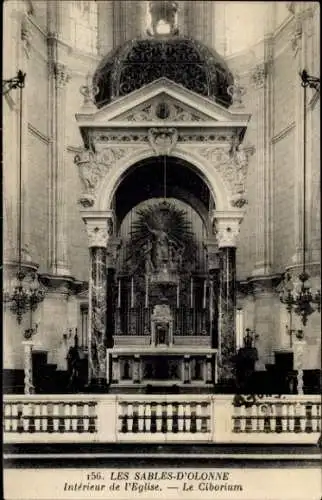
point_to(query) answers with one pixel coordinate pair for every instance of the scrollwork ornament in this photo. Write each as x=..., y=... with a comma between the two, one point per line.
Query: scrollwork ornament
x=258, y=75
x=92, y=167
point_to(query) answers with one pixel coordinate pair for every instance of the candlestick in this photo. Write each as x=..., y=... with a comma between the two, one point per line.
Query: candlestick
x=119, y=294
x=191, y=293
x=204, y=294
x=178, y=295
x=132, y=292
x=146, y=291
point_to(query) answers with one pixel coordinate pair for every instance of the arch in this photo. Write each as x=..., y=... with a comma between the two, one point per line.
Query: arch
x=203, y=167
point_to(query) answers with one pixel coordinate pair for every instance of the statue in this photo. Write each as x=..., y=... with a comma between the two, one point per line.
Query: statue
x=163, y=250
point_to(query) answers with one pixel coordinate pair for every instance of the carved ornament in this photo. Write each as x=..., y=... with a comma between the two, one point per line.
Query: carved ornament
x=93, y=167
x=162, y=110
x=163, y=140
x=232, y=165
x=227, y=232
x=60, y=73
x=97, y=232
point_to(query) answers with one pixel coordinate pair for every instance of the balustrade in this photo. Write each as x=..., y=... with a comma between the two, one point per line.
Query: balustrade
x=151, y=417
x=158, y=418
x=272, y=416
x=32, y=416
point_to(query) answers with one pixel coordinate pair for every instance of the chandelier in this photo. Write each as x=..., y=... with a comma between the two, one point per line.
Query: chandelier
x=299, y=297
x=24, y=296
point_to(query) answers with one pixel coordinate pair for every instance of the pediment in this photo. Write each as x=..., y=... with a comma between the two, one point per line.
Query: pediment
x=162, y=101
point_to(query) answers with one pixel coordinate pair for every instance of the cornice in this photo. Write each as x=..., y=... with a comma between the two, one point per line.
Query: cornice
x=66, y=285
x=257, y=285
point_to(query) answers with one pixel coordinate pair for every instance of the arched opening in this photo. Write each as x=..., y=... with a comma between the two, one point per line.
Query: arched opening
x=158, y=177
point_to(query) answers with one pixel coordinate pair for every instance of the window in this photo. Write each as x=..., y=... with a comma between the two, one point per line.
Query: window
x=83, y=25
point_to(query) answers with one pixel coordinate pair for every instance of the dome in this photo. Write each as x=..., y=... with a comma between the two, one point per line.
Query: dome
x=182, y=60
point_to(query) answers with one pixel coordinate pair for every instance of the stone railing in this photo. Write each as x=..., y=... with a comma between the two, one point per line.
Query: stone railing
x=159, y=418
x=285, y=416
x=164, y=419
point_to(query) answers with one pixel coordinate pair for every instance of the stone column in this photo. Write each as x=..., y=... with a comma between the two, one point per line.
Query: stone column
x=213, y=269
x=97, y=225
x=227, y=229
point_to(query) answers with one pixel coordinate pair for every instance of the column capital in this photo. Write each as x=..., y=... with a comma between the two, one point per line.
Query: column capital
x=99, y=226
x=226, y=227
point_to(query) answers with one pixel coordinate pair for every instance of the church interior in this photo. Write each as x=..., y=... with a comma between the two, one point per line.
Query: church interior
x=161, y=197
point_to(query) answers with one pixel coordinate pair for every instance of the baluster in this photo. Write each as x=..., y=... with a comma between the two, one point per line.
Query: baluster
x=169, y=410
x=14, y=416
x=129, y=417
x=92, y=417
x=242, y=419
x=61, y=425
x=74, y=417
x=123, y=418
x=44, y=417
x=153, y=417
x=20, y=417
x=278, y=408
x=315, y=417
x=308, y=419
x=26, y=412
x=181, y=417
x=175, y=417
x=291, y=417
x=56, y=416
x=135, y=426
x=37, y=417
x=302, y=417
x=80, y=417
x=297, y=417
x=7, y=417
x=86, y=416
x=284, y=417
x=206, y=417
x=248, y=419
x=193, y=417
x=147, y=409
x=260, y=418
x=159, y=417
x=198, y=417
x=164, y=418
x=187, y=417
x=272, y=417
x=141, y=414
x=67, y=411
